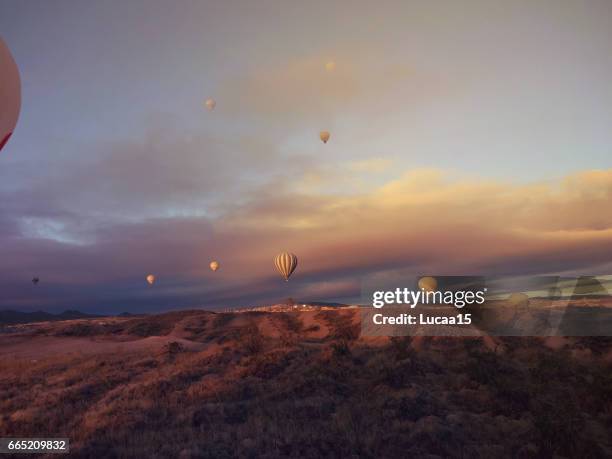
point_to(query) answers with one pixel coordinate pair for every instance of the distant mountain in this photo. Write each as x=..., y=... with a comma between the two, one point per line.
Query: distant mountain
x=129, y=314
x=329, y=305
x=17, y=317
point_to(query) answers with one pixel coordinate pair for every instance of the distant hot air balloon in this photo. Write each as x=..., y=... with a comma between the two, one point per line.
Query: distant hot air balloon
x=330, y=66
x=10, y=94
x=150, y=279
x=428, y=283
x=214, y=265
x=285, y=264
x=35, y=280
x=210, y=104
x=324, y=136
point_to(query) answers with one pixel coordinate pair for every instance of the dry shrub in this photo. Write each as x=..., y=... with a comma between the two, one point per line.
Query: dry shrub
x=251, y=340
x=221, y=320
x=255, y=397
x=341, y=325
x=288, y=321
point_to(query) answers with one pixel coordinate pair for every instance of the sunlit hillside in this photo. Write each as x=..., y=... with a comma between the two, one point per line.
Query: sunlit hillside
x=300, y=384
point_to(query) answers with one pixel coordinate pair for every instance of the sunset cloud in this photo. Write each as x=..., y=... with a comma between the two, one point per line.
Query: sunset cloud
x=427, y=221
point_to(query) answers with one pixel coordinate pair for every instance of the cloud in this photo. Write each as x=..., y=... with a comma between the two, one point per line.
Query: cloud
x=424, y=220
x=293, y=91
x=371, y=165
x=167, y=174
x=301, y=93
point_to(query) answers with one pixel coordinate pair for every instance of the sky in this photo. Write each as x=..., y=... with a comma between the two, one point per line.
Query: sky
x=467, y=138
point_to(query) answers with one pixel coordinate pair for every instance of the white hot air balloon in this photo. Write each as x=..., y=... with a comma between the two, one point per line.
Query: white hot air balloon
x=324, y=136
x=214, y=265
x=10, y=94
x=285, y=264
x=151, y=279
x=210, y=104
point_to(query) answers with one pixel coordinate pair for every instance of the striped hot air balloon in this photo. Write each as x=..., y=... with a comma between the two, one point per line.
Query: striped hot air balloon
x=285, y=264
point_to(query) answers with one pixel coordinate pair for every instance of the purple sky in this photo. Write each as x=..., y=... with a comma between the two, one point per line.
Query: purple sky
x=471, y=139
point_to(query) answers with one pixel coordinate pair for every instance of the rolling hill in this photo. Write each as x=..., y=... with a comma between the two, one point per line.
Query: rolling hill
x=198, y=384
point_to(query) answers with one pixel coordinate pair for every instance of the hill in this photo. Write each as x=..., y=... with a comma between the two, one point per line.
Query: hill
x=16, y=317
x=197, y=384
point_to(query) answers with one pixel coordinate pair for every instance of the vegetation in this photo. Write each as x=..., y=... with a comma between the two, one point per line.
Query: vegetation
x=261, y=387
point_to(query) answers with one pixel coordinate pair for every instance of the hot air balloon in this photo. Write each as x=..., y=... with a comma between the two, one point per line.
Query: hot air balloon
x=324, y=136
x=330, y=66
x=210, y=104
x=214, y=265
x=10, y=94
x=35, y=280
x=150, y=279
x=428, y=283
x=285, y=264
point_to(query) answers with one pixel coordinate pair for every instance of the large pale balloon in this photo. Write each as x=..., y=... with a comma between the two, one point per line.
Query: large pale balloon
x=210, y=104
x=214, y=265
x=285, y=264
x=324, y=136
x=10, y=94
x=428, y=283
x=150, y=279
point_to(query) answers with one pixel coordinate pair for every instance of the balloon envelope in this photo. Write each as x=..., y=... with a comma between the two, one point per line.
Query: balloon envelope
x=214, y=265
x=324, y=136
x=10, y=94
x=330, y=66
x=150, y=279
x=285, y=264
x=210, y=104
x=428, y=283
